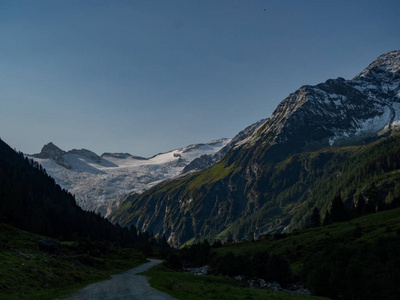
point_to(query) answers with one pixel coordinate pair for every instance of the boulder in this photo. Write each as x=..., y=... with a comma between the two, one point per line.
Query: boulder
x=50, y=246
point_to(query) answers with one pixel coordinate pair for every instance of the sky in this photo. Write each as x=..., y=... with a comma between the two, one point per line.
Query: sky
x=146, y=77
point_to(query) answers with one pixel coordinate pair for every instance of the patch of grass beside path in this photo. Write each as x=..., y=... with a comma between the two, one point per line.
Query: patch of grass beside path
x=187, y=286
x=28, y=273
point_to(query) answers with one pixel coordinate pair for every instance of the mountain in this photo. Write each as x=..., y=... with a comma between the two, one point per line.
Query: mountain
x=98, y=181
x=268, y=180
x=207, y=160
x=31, y=200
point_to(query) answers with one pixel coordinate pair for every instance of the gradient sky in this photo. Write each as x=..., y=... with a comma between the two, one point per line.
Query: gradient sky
x=150, y=76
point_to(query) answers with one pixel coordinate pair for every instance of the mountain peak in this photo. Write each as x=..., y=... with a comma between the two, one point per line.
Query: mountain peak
x=53, y=152
x=388, y=62
x=50, y=150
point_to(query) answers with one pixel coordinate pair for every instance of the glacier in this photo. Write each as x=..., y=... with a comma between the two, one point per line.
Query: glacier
x=98, y=181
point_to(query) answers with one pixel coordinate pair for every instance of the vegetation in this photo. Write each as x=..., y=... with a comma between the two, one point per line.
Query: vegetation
x=89, y=247
x=347, y=198
x=31, y=200
x=356, y=259
x=245, y=197
x=192, y=287
x=29, y=273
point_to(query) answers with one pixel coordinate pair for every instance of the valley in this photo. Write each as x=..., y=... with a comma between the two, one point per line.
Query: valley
x=299, y=201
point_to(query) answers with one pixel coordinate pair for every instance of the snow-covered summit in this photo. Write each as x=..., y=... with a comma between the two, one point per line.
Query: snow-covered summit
x=97, y=181
x=388, y=62
x=336, y=112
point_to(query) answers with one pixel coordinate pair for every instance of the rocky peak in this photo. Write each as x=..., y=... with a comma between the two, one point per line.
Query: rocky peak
x=50, y=151
x=388, y=62
x=53, y=152
x=336, y=112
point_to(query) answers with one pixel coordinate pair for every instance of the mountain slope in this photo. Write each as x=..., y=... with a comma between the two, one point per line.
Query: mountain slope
x=264, y=180
x=31, y=200
x=97, y=181
x=208, y=160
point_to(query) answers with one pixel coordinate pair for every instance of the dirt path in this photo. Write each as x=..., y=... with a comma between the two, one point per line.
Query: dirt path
x=123, y=286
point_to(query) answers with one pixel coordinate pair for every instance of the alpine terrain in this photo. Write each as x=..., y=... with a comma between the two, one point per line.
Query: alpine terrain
x=98, y=181
x=274, y=173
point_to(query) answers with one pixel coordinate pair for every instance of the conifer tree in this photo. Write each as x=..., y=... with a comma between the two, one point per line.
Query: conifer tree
x=372, y=203
x=327, y=218
x=315, y=218
x=360, y=208
x=338, y=210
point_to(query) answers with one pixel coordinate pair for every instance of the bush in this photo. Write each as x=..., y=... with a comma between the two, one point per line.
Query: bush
x=278, y=269
x=173, y=261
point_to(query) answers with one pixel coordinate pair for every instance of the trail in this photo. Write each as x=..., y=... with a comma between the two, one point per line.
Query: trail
x=123, y=286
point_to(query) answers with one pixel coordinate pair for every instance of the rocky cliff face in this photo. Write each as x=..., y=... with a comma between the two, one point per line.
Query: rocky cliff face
x=239, y=191
x=335, y=112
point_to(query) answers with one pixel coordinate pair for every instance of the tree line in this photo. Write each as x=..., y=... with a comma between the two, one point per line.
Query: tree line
x=31, y=200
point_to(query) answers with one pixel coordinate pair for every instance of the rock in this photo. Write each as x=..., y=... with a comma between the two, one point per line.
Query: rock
x=50, y=246
x=262, y=283
x=298, y=289
x=199, y=163
x=257, y=283
x=77, y=263
x=23, y=255
x=273, y=286
x=86, y=153
x=204, y=270
x=52, y=151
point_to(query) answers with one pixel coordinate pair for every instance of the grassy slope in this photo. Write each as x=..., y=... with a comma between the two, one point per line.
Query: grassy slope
x=193, y=287
x=298, y=245
x=28, y=273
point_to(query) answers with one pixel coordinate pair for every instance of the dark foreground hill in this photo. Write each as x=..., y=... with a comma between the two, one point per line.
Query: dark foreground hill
x=30, y=272
x=345, y=260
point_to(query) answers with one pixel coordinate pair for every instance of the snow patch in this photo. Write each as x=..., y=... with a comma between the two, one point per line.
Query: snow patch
x=374, y=124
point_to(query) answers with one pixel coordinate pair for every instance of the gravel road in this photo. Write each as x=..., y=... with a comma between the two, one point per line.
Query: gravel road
x=123, y=286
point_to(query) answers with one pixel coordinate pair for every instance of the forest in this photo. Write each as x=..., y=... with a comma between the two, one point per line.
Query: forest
x=352, y=259
x=31, y=200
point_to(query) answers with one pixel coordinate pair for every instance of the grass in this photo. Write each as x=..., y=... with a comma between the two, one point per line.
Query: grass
x=295, y=247
x=218, y=172
x=298, y=245
x=28, y=273
x=195, y=287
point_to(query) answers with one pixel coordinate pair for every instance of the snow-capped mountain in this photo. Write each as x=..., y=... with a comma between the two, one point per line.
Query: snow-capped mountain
x=337, y=112
x=245, y=193
x=97, y=181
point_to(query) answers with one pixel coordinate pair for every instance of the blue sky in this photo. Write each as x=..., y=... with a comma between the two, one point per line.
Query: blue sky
x=150, y=76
